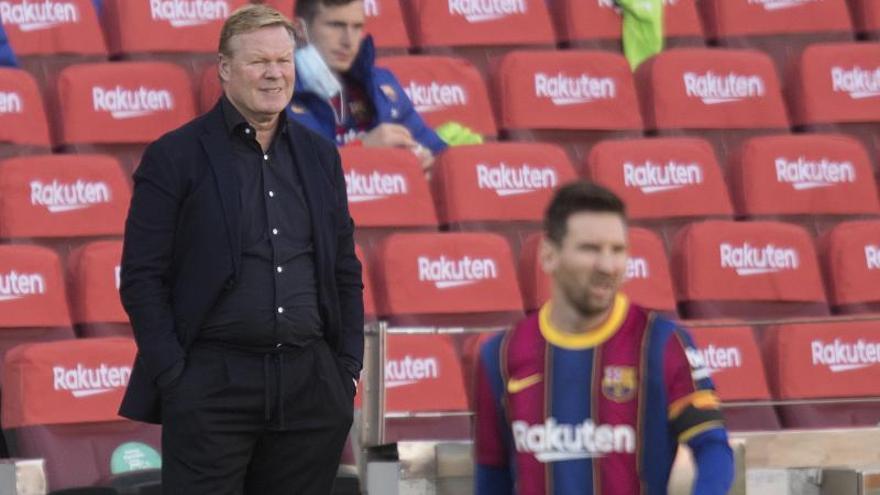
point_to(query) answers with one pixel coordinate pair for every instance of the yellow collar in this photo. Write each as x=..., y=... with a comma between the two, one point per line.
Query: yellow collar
x=590, y=338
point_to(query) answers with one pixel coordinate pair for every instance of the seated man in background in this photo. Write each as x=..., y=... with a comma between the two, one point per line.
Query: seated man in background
x=342, y=95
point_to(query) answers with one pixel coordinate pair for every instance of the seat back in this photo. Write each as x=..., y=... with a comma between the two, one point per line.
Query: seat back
x=866, y=17
x=93, y=282
x=23, y=125
x=851, y=262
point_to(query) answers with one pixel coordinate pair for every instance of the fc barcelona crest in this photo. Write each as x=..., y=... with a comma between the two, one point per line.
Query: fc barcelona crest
x=389, y=92
x=619, y=383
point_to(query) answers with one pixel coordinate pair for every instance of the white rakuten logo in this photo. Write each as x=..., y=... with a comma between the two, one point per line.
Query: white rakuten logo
x=771, y=5
x=10, y=103
x=188, y=13
x=872, y=257
x=611, y=4
x=808, y=174
x=371, y=8
x=716, y=359
x=124, y=103
x=14, y=285
x=714, y=89
x=859, y=83
x=34, y=16
x=84, y=381
x=486, y=10
x=117, y=272
x=750, y=260
x=374, y=186
x=410, y=370
x=508, y=180
x=651, y=177
x=435, y=96
x=840, y=356
x=554, y=442
x=60, y=197
x=447, y=274
x=637, y=268
x=564, y=90
x=699, y=369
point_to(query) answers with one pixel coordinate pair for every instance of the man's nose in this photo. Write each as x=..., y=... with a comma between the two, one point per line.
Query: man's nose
x=273, y=70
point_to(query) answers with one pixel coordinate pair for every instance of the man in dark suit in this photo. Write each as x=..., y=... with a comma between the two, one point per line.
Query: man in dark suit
x=242, y=286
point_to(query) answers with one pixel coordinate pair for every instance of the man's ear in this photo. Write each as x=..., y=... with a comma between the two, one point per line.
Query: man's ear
x=548, y=256
x=223, y=68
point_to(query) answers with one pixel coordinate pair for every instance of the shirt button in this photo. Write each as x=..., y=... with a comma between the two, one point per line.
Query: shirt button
x=279, y=269
x=274, y=231
x=271, y=194
x=278, y=345
x=266, y=157
x=247, y=130
x=280, y=310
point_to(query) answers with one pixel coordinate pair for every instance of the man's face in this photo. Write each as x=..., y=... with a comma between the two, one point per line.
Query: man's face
x=258, y=75
x=336, y=33
x=589, y=266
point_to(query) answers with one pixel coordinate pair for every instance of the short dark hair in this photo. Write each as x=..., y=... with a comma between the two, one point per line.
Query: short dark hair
x=308, y=8
x=577, y=197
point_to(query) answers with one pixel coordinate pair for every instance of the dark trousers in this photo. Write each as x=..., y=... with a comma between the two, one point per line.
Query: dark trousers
x=244, y=423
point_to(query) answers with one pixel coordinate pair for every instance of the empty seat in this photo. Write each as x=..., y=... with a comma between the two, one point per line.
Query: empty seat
x=782, y=29
x=62, y=201
x=647, y=280
x=813, y=180
x=851, y=262
x=209, y=88
x=60, y=403
x=866, y=17
x=23, y=125
x=33, y=304
x=725, y=96
x=597, y=24
x=572, y=98
x=734, y=361
x=835, y=88
x=118, y=108
x=501, y=187
x=746, y=270
x=93, y=282
x=445, y=89
x=665, y=182
x=479, y=31
x=820, y=361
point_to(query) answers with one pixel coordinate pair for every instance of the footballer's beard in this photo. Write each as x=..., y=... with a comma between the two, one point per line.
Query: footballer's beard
x=583, y=297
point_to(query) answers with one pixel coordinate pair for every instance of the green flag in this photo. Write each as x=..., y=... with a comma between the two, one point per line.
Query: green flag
x=642, y=29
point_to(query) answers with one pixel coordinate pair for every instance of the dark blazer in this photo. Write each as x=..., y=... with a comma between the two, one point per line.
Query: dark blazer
x=183, y=248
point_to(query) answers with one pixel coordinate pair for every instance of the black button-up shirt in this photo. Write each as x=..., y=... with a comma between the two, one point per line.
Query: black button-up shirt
x=274, y=302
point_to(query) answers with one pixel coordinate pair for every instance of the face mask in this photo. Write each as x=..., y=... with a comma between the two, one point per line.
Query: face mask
x=315, y=74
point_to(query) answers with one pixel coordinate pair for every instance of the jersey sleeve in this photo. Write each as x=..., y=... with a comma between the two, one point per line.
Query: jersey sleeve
x=693, y=407
x=493, y=474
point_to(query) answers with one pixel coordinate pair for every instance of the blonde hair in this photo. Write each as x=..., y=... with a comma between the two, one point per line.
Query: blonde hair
x=248, y=19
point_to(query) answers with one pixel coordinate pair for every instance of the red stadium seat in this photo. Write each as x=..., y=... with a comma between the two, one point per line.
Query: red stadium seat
x=118, y=108
x=597, y=24
x=23, y=125
x=369, y=301
x=93, y=282
x=835, y=89
x=647, y=274
x=502, y=187
x=866, y=17
x=734, y=361
x=479, y=31
x=209, y=88
x=60, y=403
x=33, y=304
x=572, y=98
x=813, y=180
x=851, y=261
x=781, y=29
x=824, y=361
x=747, y=270
x=725, y=96
x=444, y=89
x=665, y=182
x=163, y=30
x=62, y=200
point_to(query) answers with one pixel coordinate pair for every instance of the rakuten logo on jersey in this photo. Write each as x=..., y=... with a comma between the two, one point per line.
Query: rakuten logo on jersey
x=10, y=103
x=410, y=370
x=807, y=174
x=123, y=103
x=435, y=96
x=554, y=442
x=651, y=177
x=60, y=197
x=750, y=260
x=857, y=82
x=715, y=359
x=565, y=90
x=374, y=186
x=840, y=356
x=188, y=13
x=34, y=16
x=507, y=180
x=715, y=89
x=872, y=257
x=83, y=381
x=14, y=285
x=446, y=273
x=487, y=10
x=636, y=268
